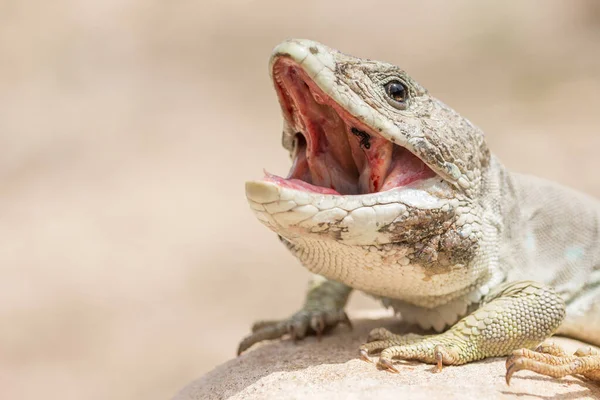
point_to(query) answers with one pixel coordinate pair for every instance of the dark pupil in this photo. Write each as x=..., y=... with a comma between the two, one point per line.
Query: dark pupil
x=396, y=91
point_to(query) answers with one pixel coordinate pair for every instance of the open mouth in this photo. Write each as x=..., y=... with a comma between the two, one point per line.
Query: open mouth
x=335, y=153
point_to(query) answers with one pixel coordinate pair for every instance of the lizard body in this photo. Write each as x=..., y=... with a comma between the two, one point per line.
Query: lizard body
x=395, y=194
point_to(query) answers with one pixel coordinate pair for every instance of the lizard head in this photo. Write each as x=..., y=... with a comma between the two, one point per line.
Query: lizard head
x=369, y=145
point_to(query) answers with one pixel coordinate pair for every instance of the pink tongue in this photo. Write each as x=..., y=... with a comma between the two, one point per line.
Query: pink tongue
x=405, y=169
x=297, y=184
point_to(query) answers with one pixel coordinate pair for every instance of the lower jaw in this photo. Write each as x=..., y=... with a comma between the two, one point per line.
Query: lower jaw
x=354, y=220
x=272, y=194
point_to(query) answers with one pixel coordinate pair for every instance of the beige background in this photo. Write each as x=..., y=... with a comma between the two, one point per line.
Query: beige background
x=130, y=263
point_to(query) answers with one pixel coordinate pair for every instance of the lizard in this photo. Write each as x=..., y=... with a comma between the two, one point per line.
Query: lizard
x=393, y=193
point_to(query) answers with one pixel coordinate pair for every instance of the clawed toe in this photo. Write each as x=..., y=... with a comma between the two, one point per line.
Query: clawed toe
x=433, y=349
x=298, y=326
x=364, y=355
x=386, y=364
x=515, y=365
x=551, y=360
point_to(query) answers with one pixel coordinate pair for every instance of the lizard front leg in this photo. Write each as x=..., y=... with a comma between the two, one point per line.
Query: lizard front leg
x=516, y=315
x=323, y=310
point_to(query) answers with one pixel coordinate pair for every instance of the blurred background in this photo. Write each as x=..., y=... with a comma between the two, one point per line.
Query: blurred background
x=130, y=263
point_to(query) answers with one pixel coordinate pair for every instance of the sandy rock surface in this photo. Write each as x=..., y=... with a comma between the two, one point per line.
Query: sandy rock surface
x=330, y=369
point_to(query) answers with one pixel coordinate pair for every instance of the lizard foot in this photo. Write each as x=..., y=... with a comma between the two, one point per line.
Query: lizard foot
x=551, y=360
x=547, y=349
x=432, y=349
x=298, y=326
x=492, y=330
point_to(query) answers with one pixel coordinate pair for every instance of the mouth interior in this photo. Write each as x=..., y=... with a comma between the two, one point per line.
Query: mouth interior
x=334, y=153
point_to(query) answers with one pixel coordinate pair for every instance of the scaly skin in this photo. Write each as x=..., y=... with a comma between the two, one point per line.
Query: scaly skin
x=495, y=262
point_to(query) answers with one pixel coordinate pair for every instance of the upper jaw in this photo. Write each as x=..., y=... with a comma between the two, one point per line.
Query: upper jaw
x=319, y=62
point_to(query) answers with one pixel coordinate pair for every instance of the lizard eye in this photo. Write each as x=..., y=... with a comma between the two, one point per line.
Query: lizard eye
x=396, y=93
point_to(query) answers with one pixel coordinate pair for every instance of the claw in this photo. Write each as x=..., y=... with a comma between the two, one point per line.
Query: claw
x=515, y=366
x=387, y=365
x=244, y=345
x=364, y=355
x=510, y=360
x=439, y=358
x=443, y=355
x=509, y=373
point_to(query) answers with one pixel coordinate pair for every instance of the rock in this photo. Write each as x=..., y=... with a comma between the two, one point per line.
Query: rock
x=330, y=369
